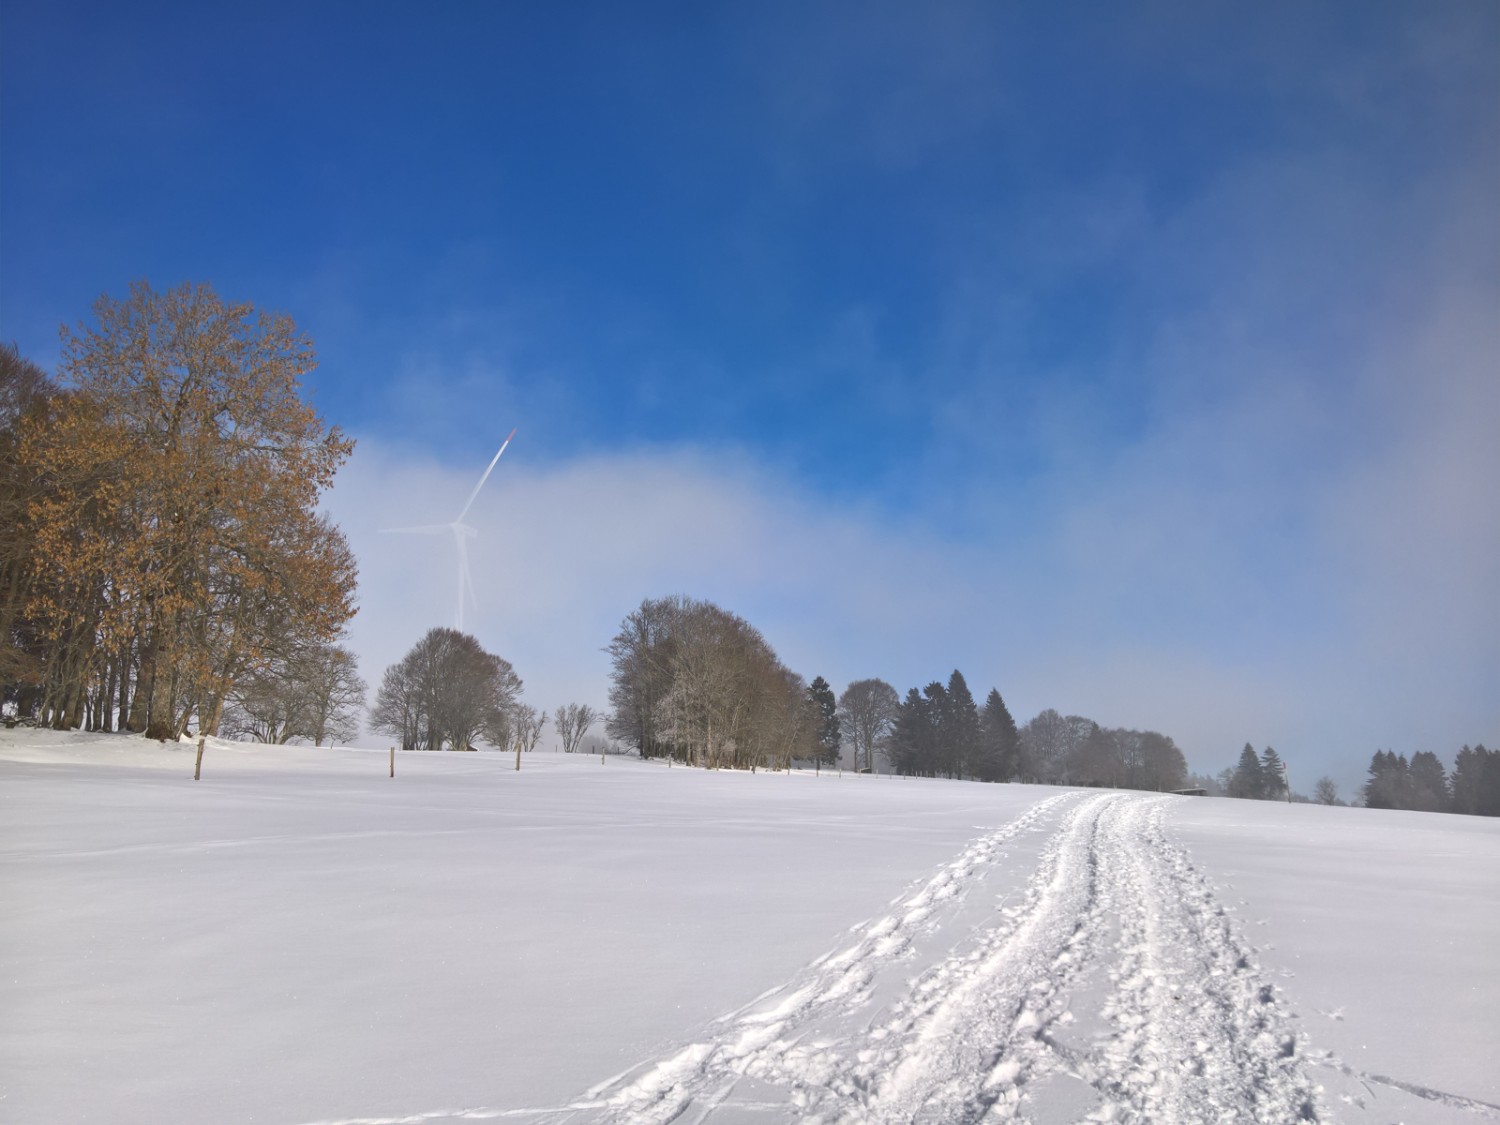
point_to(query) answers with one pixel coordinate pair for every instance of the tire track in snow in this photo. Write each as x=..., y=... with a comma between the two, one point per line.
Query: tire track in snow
x=760, y=1040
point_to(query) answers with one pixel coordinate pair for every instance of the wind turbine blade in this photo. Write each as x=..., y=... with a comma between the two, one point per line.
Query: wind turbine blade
x=470, y=503
x=429, y=529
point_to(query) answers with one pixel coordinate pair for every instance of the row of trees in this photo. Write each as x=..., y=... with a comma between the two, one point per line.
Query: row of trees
x=1256, y=777
x=939, y=731
x=1073, y=750
x=1423, y=784
x=162, y=557
x=695, y=683
x=448, y=693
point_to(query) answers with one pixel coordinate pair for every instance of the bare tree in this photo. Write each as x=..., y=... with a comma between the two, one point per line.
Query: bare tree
x=1052, y=745
x=1162, y=765
x=641, y=653
x=398, y=708
x=1326, y=792
x=315, y=693
x=447, y=691
x=528, y=723
x=335, y=695
x=572, y=722
x=867, y=714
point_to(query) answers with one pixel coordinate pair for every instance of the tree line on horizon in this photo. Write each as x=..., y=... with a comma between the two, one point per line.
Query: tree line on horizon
x=694, y=683
x=163, y=563
x=1420, y=784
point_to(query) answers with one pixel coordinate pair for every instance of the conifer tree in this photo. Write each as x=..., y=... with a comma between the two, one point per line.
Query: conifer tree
x=1389, y=783
x=1248, y=780
x=960, y=732
x=829, y=740
x=913, y=737
x=999, y=741
x=1476, y=781
x=1427, y=783
x=1272, y=775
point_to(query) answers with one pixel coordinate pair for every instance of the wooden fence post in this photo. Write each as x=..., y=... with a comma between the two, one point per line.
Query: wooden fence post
x=393, y=761
x=198, y=765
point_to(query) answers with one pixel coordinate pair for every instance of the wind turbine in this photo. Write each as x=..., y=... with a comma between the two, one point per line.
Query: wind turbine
x=462, y=533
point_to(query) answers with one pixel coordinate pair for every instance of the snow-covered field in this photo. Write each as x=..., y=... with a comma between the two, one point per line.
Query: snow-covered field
x=298, y=938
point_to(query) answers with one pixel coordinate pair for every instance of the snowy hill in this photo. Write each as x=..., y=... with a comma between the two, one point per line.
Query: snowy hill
x=299, y=938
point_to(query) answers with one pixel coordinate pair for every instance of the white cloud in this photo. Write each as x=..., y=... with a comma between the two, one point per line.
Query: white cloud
x=1136, y=600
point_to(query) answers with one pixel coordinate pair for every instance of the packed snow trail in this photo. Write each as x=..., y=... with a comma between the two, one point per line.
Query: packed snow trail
x=762, y=1040
x=1193, y=1033
x=1199, y=1035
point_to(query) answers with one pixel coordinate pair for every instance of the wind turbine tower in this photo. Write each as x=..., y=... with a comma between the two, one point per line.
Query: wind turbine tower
x=462, y=533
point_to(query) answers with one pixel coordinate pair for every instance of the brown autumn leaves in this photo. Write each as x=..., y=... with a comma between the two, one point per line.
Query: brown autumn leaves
x=159, y=539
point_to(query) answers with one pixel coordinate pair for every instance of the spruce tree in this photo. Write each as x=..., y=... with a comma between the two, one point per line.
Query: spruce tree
x=1476, y=782
x=1427, y=783
x=937, y=753
x=1272, y=775
x=999, y=741
x=1389, y=784
x=1248, y=777
x=1489, y=781
x=962, y=728
x=912, y=737
x=828, y=720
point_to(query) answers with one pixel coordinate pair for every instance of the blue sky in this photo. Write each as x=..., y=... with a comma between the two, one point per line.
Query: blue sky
x=1141, y=361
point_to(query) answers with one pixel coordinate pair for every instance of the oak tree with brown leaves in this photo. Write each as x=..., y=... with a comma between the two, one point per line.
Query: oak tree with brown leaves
x=176, y=546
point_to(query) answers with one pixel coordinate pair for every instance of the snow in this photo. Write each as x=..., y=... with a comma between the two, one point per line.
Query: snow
x=298, y=938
